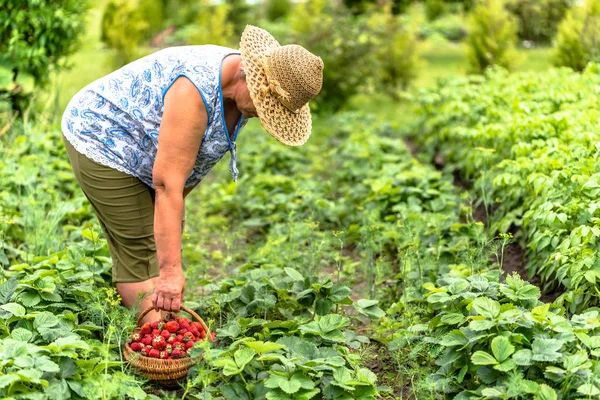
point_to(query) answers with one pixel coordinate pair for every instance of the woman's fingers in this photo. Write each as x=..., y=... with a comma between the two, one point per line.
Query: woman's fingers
x=161, y=301
x=155, y=300
x=176, y=304
x=167, y=304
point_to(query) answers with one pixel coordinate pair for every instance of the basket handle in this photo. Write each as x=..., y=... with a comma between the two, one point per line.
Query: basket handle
x=187, y=310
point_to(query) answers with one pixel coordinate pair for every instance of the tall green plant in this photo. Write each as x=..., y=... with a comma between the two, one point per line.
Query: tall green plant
x=578, y=37
x=123, y=28
x=342, y=40
x=35, y=38
x=492, y=35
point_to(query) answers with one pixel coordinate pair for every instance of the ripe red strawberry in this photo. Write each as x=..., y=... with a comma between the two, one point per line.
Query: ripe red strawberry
x=147, y=340
x=184, y=325
x=163, y=355
x=154, y=353
x=154, y=325
x=180, y=319
x=172, y=326
x=188, y=336
x=148, y=348
x=136, y=346
x=213, y=335
x=176, y=353
x=202, y=335
x=179, y=338
x=146, y=329
x=179, y=346
x=135, y=337
x=155, y=332
x=182, y=332
x=197, y=325
x=169, y=348
x=144, y=352
x=194, y=331
x=165, y=334
x=159, y=343
x=189, y=344
x=172, y=339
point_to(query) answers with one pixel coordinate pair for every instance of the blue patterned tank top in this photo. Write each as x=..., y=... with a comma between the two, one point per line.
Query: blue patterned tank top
x=115, y=120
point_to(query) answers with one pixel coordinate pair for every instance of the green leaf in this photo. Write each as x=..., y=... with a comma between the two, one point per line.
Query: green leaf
x=545, y=392
x=90, y=235
x=307, y=394
x=8, y=379
x=588, y=389
x=243, y=356
x=323, y=306
x=231, y=330
x=338, y=293
x=30, y=299
x=68, y=368
x=486, y=307
x=292, y=273
x=45, y=364
x=369, y=308
x=234, y=391
x=7, y=289
x=501, y=348
x=264, y=347
x=342, y=378
x=454, y=338
x=332, y=322
x=15, y=309
x=452, y=319
x=505, y=366
x=483, y=358
x=523, y=357
x=481, y=325
x=21, y=334
x=45, y=320
x=289, y=386
x=546, y=349
x=365, y=375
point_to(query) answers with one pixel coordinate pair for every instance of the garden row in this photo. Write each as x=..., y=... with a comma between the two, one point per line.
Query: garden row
x=530, y=143
x=282, y=257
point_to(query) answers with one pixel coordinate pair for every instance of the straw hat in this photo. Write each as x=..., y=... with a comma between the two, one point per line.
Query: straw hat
x=281, y=81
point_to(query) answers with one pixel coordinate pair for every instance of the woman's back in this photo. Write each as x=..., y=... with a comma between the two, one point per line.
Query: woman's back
x=115, y=120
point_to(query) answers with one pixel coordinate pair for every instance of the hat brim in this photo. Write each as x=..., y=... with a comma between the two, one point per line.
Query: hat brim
x=288, y=127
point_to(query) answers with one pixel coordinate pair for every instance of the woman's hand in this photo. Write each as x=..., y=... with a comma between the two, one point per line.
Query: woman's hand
x=168, y=294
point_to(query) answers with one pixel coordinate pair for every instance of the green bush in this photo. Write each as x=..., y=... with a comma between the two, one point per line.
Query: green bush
x=211, y=26
x=538, y=19
x=278, y=9
x=491, y=38
x=35, y=38
x=435, y=9
x=123, y=28
x=577, y=41
x=396, y=53
x=342, y=40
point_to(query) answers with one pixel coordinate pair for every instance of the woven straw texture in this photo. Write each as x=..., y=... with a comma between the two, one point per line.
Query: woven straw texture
x=281, y=80
x=167, y=373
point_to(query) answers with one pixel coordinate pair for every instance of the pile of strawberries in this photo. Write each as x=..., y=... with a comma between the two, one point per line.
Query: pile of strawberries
x=172, y=337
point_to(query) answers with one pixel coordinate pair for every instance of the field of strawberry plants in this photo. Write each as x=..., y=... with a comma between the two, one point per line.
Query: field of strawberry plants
x=345, y=269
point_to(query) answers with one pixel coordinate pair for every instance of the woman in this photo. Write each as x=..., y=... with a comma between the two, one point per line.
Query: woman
x=141, y=138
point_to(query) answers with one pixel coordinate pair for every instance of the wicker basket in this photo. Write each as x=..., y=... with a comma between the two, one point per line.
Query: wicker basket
x=167, y=373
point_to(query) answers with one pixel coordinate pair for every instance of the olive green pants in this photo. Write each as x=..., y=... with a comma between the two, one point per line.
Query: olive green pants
x=125, y=208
